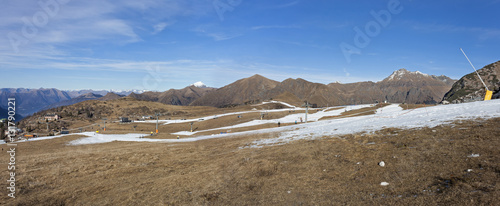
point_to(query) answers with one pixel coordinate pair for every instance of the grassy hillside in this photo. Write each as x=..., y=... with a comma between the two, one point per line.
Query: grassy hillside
x=428, y=166
x=88, y=116
x=93, y=111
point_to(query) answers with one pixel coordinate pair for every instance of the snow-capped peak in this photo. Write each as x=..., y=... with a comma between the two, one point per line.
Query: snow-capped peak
x=402, y=72
x=199, y=85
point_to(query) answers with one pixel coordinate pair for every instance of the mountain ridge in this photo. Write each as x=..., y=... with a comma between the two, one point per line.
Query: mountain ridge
x=29, y=101
x=81, y=98
x=404, y=86
x=401, y=86
x=243, y=91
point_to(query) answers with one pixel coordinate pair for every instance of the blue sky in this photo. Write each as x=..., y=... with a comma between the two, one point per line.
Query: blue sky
x=163, y=44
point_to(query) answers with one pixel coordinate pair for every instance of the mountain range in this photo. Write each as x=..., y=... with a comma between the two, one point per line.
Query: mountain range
x=175, y=96
x=76, y=93
x=401, y=86
x=29, y=101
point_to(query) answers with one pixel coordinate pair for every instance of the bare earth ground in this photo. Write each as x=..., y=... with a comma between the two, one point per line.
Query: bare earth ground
x=427, y=166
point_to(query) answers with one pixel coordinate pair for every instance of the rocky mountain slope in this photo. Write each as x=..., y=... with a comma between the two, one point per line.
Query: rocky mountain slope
x=414, y=87
x=470, y=88
x=304, y=90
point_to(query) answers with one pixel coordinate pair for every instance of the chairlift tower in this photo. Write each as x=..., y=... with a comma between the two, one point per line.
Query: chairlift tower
x=307, y=105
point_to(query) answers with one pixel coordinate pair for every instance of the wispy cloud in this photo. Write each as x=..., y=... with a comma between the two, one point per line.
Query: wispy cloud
x=276, y=27
x=216, y=33
x=105, y=21
x=159, y=27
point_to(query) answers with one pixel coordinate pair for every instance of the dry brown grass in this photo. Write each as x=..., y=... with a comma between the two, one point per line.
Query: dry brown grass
x=423, y=166
x=166, y=130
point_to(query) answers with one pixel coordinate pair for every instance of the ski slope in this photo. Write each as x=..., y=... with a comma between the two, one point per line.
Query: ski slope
x=165, y=122
x=389, y=116
x=287, y=119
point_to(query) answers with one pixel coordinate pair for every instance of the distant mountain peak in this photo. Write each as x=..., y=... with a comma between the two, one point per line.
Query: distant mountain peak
x=90, y=95
x=401, y=73
x=257, y=76
x=199, y=84
x=111, y=96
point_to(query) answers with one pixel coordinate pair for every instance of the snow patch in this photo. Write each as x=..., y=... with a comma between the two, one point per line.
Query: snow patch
x=199, y=84
x=292, y=118
x=390, y=116
x=402, y=72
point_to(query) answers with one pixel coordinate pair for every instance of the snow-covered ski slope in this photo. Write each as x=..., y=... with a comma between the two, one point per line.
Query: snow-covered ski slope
x=287, y=119
x=389, y=116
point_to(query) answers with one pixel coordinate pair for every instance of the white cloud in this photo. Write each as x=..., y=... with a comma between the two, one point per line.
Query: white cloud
x=159, y=27
x=90, y=21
